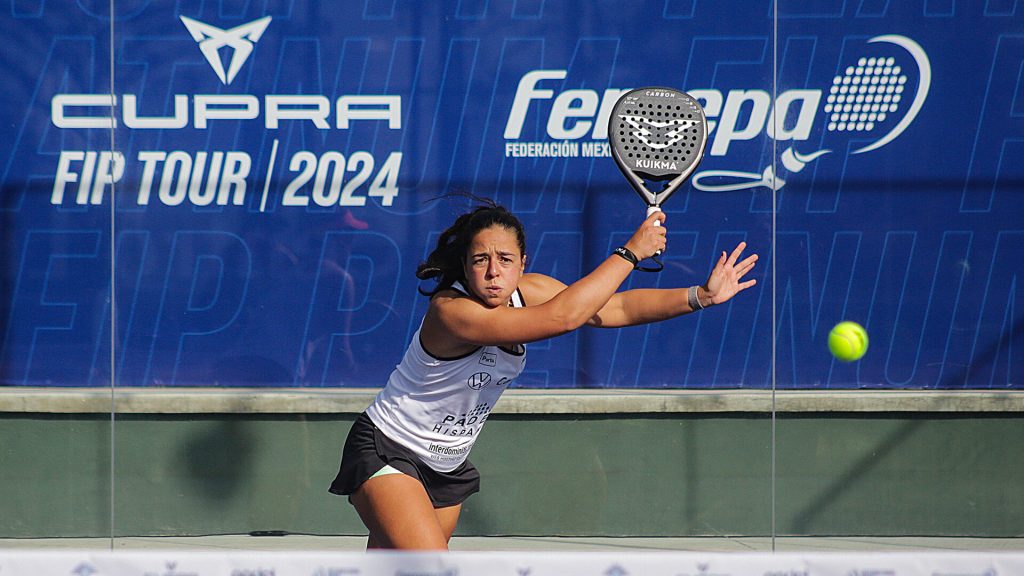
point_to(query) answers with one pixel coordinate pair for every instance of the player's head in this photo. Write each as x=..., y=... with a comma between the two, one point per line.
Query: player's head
x=485, y=249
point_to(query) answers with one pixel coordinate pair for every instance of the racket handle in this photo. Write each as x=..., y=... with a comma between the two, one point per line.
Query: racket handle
x=652, y=210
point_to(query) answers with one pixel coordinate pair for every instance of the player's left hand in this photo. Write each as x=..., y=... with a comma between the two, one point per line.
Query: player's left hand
x=726, y=278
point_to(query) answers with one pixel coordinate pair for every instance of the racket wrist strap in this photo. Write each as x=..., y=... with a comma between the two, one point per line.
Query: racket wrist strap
x=627, y=255
x=658, y=266
x=693, y=300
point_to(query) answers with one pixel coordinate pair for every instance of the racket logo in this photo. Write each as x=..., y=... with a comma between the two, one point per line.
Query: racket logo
x=675, y=134
x=655, y=164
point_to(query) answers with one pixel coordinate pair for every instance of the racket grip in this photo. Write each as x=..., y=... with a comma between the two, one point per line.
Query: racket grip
x=652, y=210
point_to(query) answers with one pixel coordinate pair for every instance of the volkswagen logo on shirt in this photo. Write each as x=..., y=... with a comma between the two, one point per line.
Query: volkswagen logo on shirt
x=479, y=380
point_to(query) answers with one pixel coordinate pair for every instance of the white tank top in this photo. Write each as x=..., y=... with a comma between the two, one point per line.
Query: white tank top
x=436, y=407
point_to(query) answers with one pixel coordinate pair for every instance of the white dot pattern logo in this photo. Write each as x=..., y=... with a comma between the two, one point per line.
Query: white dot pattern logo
x=863, y=95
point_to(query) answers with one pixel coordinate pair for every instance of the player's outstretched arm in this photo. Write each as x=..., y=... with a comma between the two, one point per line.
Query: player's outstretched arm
x=551, y=310
x=643, y=306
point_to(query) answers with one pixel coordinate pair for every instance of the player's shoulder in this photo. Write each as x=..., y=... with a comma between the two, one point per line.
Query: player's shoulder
x=450, y=297
x=539, y=288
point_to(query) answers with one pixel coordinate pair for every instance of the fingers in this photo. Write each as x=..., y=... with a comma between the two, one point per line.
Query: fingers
x=654, y=224
x=659, y=236
x=725, y=279
x=656, y=216
x=650, y=237
x=743, y=267
x=729, y=261
x=736, y=253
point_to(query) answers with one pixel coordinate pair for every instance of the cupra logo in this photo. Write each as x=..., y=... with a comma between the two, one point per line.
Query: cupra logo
x=240, y=40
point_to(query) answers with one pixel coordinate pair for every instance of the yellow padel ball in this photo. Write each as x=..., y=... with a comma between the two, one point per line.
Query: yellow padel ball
x=848, y=341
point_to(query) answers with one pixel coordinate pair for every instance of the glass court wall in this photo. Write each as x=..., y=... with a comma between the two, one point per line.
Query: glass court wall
x=892, y=218
x=213, y=212
x=56, y=444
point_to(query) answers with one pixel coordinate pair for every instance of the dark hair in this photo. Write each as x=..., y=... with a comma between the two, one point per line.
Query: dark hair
x=445, y=263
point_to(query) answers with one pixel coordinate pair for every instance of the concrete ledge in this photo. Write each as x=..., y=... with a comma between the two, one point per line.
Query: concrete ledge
x=353, y=401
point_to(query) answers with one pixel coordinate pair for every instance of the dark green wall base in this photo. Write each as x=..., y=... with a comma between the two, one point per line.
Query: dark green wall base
x=664, y=475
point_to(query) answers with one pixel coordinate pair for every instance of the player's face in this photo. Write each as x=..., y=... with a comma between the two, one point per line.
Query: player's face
x=494, y=265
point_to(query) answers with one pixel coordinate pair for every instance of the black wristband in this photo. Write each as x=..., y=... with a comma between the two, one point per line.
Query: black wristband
x=628, y=255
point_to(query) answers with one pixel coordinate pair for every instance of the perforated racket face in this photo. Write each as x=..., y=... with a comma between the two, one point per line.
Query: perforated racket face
x=657, y=134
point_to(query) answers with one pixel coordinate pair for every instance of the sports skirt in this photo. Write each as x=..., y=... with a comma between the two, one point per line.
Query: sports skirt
x=367, y=450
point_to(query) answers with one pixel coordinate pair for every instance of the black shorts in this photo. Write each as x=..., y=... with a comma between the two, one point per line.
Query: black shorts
x=367, y=450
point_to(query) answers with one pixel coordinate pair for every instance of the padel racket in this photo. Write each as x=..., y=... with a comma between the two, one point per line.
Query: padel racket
x=657, y=137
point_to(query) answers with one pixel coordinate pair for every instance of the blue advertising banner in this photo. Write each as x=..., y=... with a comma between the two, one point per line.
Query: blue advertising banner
x=236, y=193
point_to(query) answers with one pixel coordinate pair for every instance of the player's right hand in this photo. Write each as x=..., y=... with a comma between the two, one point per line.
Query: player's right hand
x=649, y=238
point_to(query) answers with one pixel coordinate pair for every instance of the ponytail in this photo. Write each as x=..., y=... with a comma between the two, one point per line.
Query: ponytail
x=445, y=263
